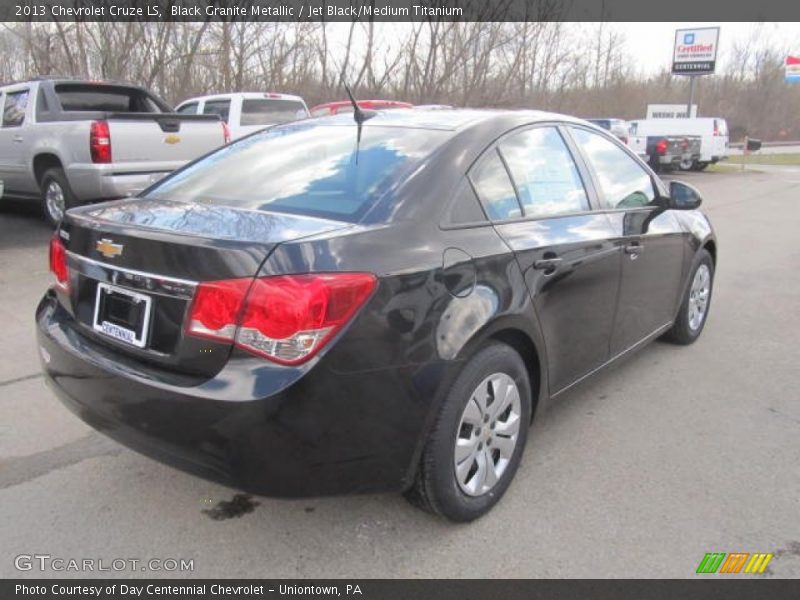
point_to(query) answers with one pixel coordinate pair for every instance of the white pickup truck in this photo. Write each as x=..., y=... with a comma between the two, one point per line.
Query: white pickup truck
x=65, y=142
x=247, y=112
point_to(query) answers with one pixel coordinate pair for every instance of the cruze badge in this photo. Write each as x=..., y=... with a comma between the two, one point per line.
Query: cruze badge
x=172, y=139
x=108, y=248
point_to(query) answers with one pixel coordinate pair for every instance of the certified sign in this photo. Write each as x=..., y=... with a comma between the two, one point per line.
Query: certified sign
x=695, y=51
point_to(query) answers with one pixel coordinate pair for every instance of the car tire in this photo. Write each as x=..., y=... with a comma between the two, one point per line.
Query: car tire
x=699, y=165
x=472, y=428
x=686, y=165
x=689, y=323
x=57, y=196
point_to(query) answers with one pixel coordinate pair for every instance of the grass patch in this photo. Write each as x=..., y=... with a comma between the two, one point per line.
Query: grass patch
x=722, y=168
x=767, y=159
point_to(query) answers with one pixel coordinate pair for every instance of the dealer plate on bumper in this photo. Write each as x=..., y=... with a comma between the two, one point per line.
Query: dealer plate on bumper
x=122, y=314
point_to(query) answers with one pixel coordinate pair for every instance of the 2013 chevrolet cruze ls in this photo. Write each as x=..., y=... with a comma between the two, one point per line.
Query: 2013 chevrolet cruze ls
x=382, y=303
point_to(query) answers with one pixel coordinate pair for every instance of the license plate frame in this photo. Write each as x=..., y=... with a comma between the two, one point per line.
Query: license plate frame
x=117, y=331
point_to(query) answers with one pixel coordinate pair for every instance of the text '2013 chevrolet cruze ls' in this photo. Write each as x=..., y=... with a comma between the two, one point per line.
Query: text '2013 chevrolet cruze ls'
x=383, y=303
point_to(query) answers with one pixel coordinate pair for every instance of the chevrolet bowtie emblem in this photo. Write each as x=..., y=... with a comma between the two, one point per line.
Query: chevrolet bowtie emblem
x=172, y=139
x=108, y=248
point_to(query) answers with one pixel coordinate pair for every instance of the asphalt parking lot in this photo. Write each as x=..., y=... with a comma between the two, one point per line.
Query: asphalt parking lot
x=637, y=473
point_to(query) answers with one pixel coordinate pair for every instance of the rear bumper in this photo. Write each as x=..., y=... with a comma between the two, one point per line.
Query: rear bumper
x=111, y=181
x=277, y=432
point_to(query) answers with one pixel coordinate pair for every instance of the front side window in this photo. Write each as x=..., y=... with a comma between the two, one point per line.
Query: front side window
x=14, y=108
x=304, y=168
x=623, y=182
x=495, y=190
x=218, y=107
x=545, y=174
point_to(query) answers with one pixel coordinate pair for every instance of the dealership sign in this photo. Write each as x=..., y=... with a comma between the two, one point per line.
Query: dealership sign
x=793, y=69
x=695, y=51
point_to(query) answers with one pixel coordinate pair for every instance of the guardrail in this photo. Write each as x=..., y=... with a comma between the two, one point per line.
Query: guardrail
x=765, y=144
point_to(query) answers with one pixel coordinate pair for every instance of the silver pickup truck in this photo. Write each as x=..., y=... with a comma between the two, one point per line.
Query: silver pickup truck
x=65, y=142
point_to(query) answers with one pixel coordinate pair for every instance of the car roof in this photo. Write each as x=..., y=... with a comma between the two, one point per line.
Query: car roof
x=246, y=95
x=446, y=120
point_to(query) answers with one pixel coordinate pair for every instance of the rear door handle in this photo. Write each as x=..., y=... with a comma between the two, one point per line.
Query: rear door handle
x=547, y=264
x=17, y=138
x=634, y=249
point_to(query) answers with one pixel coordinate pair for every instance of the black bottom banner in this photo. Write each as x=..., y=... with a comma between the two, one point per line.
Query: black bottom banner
x=405, y=589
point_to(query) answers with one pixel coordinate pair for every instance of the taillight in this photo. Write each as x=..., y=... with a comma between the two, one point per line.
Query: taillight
x=100, y=142
x=226, y=132
x=216, y=307
x=661, y=147
x=58, y=263
x=286, y=318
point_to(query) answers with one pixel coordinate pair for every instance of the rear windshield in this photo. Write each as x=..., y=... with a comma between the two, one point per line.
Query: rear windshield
x=304, y=168
x=89, y=98
x=266, y=111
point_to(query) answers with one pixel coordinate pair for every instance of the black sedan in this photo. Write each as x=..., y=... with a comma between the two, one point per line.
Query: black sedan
x=383, y=303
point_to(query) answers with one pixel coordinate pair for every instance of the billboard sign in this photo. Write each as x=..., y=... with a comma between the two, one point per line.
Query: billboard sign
x=669, y=111
x=793, y=69
x=695, y=51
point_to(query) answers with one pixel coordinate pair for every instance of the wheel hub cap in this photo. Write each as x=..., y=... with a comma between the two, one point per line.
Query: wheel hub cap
x=698, y=297
x=54, y=197
x=487, y=434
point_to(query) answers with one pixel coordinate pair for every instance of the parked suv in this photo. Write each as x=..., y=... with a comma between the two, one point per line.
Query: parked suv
x=66, y=142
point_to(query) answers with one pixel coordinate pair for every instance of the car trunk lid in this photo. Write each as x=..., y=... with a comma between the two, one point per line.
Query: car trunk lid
x=135, y=264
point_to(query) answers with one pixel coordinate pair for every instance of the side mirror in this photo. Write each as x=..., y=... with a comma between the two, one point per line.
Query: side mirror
x=683, y=196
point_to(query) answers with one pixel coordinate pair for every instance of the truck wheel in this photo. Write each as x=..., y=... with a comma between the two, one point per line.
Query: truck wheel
x=57, y=197
x=686, y=164
x=699, y=166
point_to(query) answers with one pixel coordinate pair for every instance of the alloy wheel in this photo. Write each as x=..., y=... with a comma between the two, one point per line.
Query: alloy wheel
x=698, y=296
x=54, y=199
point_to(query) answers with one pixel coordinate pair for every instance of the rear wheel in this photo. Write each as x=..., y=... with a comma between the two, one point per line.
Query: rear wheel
x=57, y=196
x=694, y=310
x=699, y=165
x=477, y=442
x=686, y=164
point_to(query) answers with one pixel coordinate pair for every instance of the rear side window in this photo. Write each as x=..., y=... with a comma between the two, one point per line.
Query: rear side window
x=305, y=168
x=623, y=182
x=545, y=174
x=266, y=111
x=14, y=108
x=94, y=98
x=495, y=190
x=218, y=107
x=188, y=109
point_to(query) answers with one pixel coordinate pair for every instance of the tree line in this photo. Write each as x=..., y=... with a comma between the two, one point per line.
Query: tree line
x=580, y=69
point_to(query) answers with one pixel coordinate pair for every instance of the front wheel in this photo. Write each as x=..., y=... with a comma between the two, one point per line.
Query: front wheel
x=696, y=302
x=478, y=439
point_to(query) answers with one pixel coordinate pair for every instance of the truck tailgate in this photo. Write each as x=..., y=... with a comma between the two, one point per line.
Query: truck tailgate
x=163, y=137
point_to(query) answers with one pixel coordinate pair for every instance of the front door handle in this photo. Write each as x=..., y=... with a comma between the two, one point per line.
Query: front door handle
x=547, y=264
x=17, y=139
